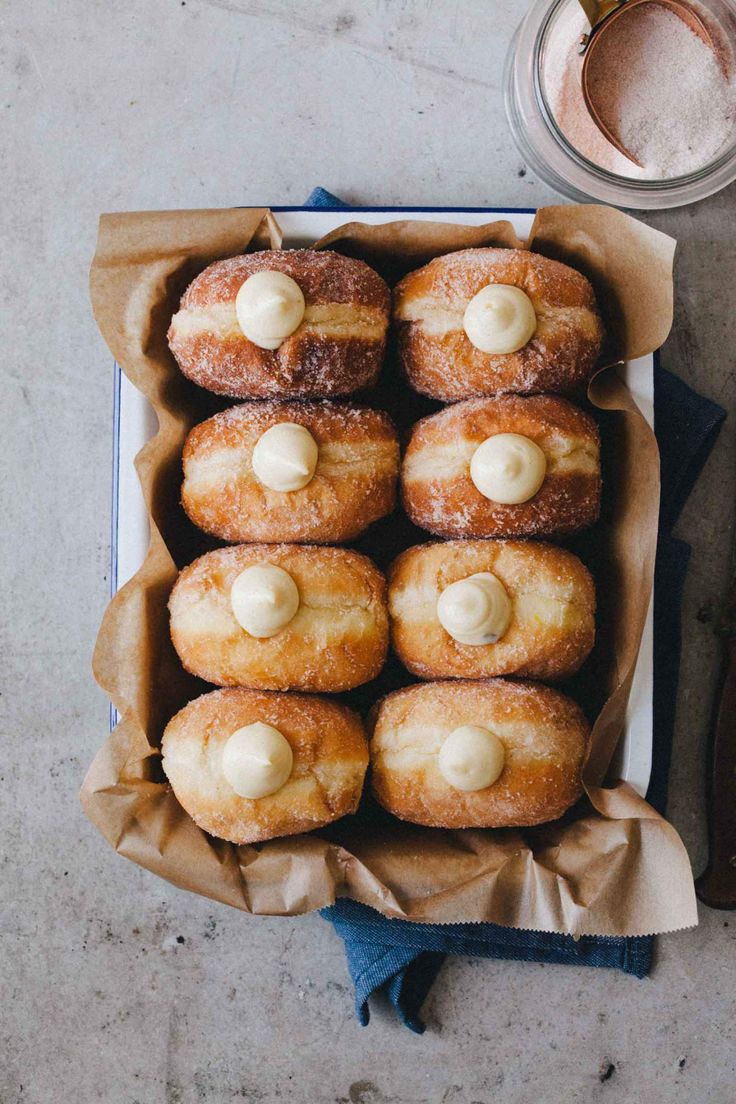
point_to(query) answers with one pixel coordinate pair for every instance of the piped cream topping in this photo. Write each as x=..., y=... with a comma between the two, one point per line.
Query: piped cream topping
x=264, y=599
x=508, y=468
x=257, y=760
x=285, y=457
x=471, y=758
x=269, y=307
x=500, y=319
x=476, y=610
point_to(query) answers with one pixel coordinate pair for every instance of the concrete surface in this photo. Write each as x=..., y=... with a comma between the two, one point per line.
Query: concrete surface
x=116, y=987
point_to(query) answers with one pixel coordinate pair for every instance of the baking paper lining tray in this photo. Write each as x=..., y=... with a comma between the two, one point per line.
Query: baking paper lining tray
x=134, y=422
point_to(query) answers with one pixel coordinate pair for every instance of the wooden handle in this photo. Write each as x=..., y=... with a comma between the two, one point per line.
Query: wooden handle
x=716, y=887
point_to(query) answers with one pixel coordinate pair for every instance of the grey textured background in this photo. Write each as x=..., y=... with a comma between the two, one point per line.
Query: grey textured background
x=117, y=987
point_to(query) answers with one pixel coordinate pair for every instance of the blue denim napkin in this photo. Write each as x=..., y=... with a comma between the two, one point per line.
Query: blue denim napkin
x=320, y=197
x=403, y=959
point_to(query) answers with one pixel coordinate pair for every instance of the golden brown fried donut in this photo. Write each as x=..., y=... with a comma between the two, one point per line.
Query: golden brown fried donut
x=439, y=494
x=551, y=608
x=337, y=348
x=542, y=735
x=336, y=639
x=354, y=483
x=330, y=757
x=441, y=361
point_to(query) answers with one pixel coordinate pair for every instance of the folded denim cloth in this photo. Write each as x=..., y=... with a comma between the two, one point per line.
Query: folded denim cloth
x=402, y=958
x=320, y=197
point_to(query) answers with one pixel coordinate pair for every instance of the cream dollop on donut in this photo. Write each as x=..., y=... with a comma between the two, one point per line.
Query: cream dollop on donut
x=508, y=468
x=264, y=599
x=285, y=457
x=471, y=758
x=475, y=610
x=257, y=760
x=500, y=319
x=269, y=307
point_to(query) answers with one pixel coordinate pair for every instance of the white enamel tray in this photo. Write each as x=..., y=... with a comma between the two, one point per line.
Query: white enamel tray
x=134, y=422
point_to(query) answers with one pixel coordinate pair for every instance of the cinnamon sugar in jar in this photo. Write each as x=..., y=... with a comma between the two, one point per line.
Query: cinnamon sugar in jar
x=671, y=101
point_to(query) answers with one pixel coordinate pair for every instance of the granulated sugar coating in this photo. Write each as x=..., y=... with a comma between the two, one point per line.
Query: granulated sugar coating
x=662, y=90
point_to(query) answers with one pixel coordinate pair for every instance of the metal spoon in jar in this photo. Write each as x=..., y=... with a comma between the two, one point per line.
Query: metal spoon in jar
x=602, y=15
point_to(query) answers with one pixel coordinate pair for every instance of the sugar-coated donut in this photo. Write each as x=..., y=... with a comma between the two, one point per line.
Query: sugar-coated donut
x=441, y=360
x=337, y=347
x=328, y=761
x=353, y=483
x=316, y=618
x=438, y=487
x=531, y=745
x=548, y=630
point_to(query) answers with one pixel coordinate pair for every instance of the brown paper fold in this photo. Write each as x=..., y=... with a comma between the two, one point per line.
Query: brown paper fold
x=612, y=866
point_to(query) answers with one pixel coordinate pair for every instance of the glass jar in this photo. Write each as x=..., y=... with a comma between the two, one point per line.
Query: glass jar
x=546, y=149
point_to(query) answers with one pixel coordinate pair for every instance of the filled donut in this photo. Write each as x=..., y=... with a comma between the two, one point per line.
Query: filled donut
x=249, y=765
x=510, y=466
x=484, y=321
x=282, y=323
x=492, y=754
x=288, y=471
x=476, y=609
x=281, y=617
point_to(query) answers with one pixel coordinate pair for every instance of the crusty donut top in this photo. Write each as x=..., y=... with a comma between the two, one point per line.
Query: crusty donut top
x=332, y=581
x=343, y=297
x=534, y=720
x=346, y=304
x=336, y=640
x=353, y=484
x=327, y=421
x=534, y=416
x=448, y=283
x=303, y=718
x=322, y=275
x=529, y=570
